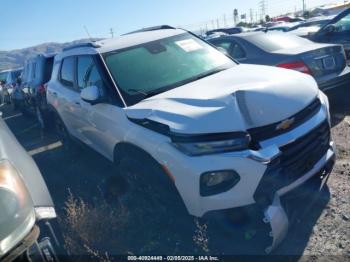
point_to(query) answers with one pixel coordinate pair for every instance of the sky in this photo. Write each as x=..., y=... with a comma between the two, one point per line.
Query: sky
x=26, y=23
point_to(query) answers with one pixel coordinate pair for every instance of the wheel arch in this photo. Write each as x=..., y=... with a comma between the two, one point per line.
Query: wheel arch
x=122, y=147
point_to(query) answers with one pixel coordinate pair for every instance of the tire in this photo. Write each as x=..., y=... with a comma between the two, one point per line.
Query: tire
x=142, y=185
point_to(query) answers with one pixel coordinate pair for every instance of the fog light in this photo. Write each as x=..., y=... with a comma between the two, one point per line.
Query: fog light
x=216, y=182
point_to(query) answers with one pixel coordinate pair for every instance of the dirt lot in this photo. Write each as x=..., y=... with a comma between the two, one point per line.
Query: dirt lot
x=95, y=226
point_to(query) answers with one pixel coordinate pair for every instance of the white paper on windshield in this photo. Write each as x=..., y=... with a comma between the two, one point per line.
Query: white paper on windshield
x=189, y=45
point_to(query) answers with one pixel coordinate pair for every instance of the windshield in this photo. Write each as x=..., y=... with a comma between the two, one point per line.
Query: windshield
x=271, y=42
x=155, y=67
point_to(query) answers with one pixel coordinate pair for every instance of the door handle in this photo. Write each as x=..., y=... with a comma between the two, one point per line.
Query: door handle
x=77, y=103
x=54, y=93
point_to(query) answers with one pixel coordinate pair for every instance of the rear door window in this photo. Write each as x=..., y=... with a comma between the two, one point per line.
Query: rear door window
x=67, y=71
x=232, y=47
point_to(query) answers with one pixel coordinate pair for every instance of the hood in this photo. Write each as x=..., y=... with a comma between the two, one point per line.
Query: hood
x=236, y=99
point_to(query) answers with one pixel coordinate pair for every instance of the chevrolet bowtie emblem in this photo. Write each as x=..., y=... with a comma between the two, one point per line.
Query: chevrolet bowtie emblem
x=285, y=124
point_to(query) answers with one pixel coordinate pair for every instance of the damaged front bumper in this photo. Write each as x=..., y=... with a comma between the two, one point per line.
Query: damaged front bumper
x=276, y=215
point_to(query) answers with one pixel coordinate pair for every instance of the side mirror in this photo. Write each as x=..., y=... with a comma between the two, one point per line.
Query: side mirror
x=223, y=50
x=90, y=94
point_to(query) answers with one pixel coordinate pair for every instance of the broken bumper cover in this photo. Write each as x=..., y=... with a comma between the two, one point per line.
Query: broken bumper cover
x=275, y=213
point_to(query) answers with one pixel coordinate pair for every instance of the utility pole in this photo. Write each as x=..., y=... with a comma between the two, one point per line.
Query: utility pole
x=251, y=15
x=304, y=7
x=262, y=6
x=111, y=32
x=235, y=16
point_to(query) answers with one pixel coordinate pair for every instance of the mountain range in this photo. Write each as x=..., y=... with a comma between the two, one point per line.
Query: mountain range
x=16, y=58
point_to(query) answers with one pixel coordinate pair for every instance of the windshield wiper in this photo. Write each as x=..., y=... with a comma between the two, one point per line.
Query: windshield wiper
x=166, y=88
x=142, y=92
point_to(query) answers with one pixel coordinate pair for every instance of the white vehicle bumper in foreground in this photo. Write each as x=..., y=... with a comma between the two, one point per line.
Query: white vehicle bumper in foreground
x=275, y=213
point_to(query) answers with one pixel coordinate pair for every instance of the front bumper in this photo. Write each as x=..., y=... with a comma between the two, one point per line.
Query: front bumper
x=251, y=165
x=275, y=213
x=41, y=244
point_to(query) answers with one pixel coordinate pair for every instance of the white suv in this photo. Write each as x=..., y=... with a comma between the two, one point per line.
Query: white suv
x=227, y=135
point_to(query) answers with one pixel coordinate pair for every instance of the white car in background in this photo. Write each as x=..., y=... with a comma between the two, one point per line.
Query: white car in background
x=160, y=102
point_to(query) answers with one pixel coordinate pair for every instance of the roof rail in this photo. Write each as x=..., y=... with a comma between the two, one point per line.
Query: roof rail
x=88, y=44
x=152, y=28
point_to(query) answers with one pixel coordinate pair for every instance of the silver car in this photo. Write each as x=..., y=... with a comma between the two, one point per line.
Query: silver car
x=26, y=206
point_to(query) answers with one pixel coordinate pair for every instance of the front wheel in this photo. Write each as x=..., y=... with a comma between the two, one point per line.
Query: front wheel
x=141, y=183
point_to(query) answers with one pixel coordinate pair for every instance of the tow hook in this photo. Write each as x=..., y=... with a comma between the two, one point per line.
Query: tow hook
x=278, y=219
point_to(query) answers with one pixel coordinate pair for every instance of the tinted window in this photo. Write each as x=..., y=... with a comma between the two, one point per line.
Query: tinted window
x=48, y=69
x=67, y=71
x=88, y=74
x=232, y=47
x=343, y=25
x=274, y=41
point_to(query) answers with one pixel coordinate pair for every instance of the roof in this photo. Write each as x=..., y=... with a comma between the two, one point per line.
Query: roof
x=134, y=39
x=120, y=42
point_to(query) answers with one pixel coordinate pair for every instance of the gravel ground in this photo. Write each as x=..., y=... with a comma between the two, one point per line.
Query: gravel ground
x=321, y=232
x=331, y=233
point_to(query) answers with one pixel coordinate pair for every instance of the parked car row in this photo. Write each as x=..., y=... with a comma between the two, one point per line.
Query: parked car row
x=192, y=124
x=8, y=84
x=324, y=29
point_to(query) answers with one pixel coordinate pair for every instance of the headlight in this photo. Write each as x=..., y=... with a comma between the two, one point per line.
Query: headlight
x=237, y=143
x=17, y=215
x=216, y=182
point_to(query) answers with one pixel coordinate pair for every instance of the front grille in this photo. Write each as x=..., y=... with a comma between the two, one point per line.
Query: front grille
x=301, y=155
x=265, y=132
x=296, y=159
